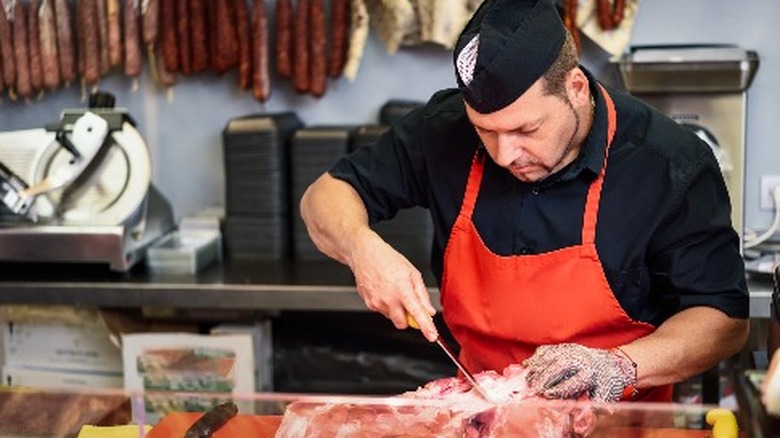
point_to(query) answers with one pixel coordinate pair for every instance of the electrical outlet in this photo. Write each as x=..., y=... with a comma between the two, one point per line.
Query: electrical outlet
x=768, y=183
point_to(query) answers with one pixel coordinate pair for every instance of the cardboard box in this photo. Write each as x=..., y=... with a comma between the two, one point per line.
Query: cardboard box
x=60, y=346
x=59, y=379
x=262, y=344
x=167, y=365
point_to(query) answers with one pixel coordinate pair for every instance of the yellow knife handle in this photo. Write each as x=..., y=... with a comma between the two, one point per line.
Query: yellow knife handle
x=724, y=423
x=412, y=322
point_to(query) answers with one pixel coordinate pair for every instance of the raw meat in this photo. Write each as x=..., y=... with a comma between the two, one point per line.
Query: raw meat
x=444, y=408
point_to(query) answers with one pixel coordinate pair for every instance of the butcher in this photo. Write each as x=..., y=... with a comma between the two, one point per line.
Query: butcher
x=577, y=230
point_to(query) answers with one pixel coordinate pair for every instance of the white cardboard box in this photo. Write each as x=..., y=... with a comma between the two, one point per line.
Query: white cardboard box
x=168, y=363
x=262, y=341
x=60, y=346
x=59, y=379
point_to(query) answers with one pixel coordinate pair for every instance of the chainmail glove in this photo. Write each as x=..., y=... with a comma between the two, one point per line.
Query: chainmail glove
x=573, y=370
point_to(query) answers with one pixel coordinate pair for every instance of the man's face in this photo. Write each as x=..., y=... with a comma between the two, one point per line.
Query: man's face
x=533, y=137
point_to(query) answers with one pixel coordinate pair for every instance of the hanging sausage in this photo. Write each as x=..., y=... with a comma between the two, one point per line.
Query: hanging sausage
x=21, y=51
x=50, y=65
x=339, y=24
x=244, y=38
x=168, y=36
x=132, y=40
x=225, y=37
x=183, y=36
x=150, y=16
x=301, y=54
x=284, y=38
x=89, y=37
x=7, y=49
x=261, y=80
x=610, y=15
x=317, y=48
x=199, y=35
x=34, y=44
x=114, y=30
x=65, y=41
x=101, y=17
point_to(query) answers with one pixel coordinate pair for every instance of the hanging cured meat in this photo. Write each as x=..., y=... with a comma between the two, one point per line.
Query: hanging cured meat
x=21, y=52
x=168, y=39
x=150, y=15
x=301, y=49
x=339, y=24
x=65, y=41
x=34, y=45
x=199, y=35
x=244, y=37
x=610, y=15
x=284, y=38
x=132, y=42
x=183, y=36
x=261, y=80
x=317, y=48
x=225, y=38
x=101, y=20
x=114, y=30
x=89, y=41
x=7, y=50
x=50, y=65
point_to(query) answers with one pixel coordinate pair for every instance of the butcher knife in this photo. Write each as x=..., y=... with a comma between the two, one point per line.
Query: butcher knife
x=470, y=377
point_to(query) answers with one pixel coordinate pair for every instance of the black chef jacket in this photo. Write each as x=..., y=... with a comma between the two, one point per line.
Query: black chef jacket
x=664, y=232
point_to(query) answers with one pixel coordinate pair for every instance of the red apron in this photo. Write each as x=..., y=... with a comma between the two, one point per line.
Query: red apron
x=500, y=308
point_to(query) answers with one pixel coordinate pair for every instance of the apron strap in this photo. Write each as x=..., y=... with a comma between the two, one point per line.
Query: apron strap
x=472, y=185
x=594, y=193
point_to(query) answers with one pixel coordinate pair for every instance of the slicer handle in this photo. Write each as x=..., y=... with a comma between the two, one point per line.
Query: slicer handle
x=65, y=142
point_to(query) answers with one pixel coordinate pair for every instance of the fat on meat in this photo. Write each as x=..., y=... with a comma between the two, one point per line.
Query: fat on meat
x=446, y=408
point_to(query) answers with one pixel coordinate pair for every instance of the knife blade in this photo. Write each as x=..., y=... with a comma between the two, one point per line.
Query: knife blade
x=470, y=377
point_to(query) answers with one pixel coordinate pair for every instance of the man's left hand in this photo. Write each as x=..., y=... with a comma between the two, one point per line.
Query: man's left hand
x=573, y=370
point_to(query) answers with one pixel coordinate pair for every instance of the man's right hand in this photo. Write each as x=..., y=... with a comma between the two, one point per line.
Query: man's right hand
x=390, y=284
x=337, y=222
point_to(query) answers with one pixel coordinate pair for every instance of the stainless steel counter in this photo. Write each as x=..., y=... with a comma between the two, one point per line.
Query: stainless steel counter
x=760, y=296
x=246, y=284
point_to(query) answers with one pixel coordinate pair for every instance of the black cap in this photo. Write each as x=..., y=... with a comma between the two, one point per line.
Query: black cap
x=506, y=46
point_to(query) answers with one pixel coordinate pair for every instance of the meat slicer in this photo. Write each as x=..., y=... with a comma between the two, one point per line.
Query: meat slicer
x=79, y=190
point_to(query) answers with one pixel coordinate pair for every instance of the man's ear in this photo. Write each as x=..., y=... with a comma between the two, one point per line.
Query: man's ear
x=577, y=88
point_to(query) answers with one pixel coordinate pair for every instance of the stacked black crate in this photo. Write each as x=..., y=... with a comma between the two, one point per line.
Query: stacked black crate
x=395, y=109
x=257, y=180
x=410, y=232
x=313, y=151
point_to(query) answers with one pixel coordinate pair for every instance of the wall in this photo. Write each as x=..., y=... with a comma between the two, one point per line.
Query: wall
x=184, y=133
x=750, y=24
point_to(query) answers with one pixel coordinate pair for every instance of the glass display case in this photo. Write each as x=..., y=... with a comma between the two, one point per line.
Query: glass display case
x=119, y=414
